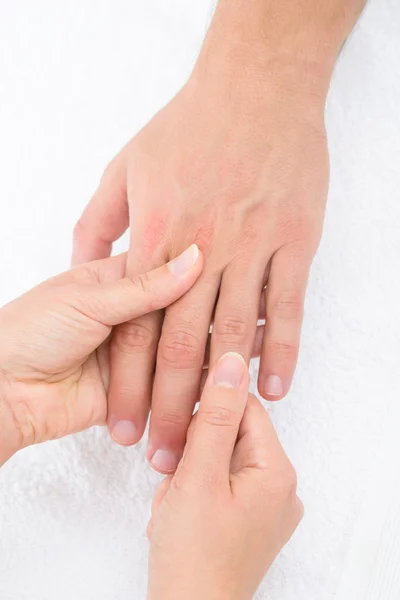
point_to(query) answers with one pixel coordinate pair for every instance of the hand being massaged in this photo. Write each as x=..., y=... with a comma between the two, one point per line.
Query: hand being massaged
x=218, y=523
x=238, y=163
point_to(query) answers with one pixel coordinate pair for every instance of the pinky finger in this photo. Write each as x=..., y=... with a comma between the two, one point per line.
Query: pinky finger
x=284, y=317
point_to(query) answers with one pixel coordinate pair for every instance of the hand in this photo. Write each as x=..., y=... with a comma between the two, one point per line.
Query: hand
x=53, y=360
x=219, y=522
x=245, y=176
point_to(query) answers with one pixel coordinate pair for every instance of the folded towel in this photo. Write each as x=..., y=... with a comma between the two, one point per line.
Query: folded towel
x=372, y=569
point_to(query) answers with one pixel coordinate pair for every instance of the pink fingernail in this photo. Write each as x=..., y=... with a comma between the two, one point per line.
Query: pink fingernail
x=230, y=370
x=183, y=263
x=274, y=386
x=124, y=433
x=165, y=461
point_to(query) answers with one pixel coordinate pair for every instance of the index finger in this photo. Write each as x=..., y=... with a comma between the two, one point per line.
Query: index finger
x=104, y=219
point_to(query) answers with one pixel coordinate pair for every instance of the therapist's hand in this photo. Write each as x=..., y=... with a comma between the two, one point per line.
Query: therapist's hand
x=53, y=357
x=220, y=521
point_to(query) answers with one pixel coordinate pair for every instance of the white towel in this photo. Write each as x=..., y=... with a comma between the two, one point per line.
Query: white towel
x=372, y=569
x=78, y=78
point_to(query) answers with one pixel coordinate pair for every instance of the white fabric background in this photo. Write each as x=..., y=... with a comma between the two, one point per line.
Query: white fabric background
x=77, y=79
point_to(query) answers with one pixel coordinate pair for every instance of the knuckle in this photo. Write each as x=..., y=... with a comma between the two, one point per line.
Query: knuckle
x=283, y=351
x=133, y=336
x=288, y=307
x=170, y=416
x=231, y=328
x=142, y=282
x=83, y=273
x=295, y=225
x=204, y=235
x=285, y=483
x=220, y=416
x=290, y=479
x=181, y=349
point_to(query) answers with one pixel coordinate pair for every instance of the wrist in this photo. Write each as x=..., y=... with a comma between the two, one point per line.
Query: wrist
x=200, y=593
x=199, y=587
x=296, y=47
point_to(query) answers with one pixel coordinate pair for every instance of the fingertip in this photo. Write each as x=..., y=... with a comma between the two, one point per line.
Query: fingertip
x=185, y=262
x=163, y=461
x=124, y=433
x=230, y=371
x=271, y=388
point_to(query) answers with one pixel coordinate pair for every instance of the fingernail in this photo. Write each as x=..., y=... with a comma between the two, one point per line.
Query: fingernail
x=165, y=461
x=124, y=432
x=230, y=370
x=274, y=386
x=183, y=263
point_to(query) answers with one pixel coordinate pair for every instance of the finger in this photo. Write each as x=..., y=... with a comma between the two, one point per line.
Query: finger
x=180, y=361
x=133, y=354
x=203, y=381
x=237, y=311
x=209, y=451
x=256, y=351
x=257, y=439
x=106, y=270
x=259, y=449
x=127, y=299
x=285, y=304
x=263, y=309
x=105, y=218
x=258, y=342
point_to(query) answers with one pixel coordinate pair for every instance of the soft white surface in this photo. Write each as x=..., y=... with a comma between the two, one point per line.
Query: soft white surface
x=77, y=79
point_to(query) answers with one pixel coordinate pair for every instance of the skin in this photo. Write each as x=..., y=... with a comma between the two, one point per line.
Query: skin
x=54, y=367
x=238, y=162
x=220, y=521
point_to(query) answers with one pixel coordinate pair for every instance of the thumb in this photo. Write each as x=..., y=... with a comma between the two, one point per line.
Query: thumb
x=258, y=445
x=127, y=299
x=222, y=405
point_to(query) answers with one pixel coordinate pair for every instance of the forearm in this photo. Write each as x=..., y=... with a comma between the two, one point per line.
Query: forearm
x=287, y=34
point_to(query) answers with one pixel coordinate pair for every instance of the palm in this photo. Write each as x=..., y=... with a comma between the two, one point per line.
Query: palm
x=54, y=367
x=54, y=341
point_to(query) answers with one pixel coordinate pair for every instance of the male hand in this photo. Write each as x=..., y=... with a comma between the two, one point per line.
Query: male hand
x=238, y=164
